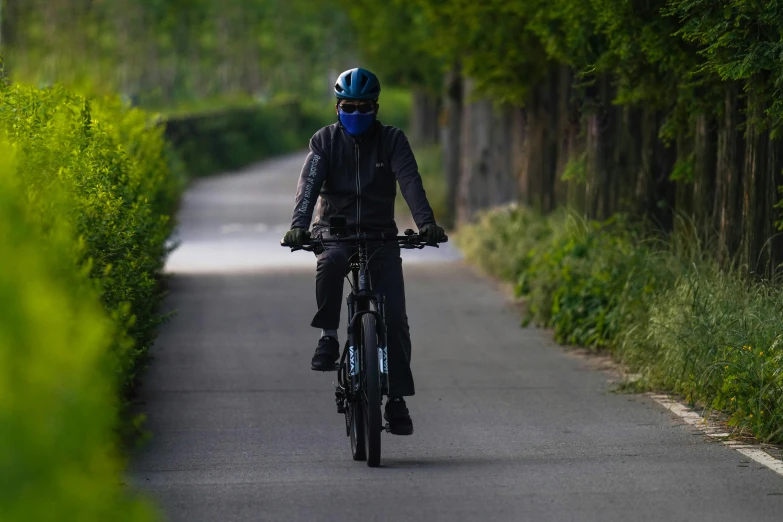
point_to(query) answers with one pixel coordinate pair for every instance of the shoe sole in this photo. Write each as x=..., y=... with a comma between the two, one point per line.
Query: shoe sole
x=336, y=367
x=403, y=433
x=397, y=431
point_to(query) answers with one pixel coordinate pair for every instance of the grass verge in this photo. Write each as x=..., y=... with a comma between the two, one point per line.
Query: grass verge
x=661, y=305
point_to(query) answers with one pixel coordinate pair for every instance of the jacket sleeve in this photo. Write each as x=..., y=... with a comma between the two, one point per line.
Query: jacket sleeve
x=311, y=179
x=404, y=166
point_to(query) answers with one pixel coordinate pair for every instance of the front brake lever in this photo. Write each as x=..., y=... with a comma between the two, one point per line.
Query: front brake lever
x=318, y=248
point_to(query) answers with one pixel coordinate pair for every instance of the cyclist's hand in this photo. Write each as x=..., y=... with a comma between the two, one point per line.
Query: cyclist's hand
x=296, y=237
x=432, y=234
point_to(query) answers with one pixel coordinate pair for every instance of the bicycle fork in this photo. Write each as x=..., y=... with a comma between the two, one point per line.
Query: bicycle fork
x=348, y=366
x=383, y=352
x=349, y=375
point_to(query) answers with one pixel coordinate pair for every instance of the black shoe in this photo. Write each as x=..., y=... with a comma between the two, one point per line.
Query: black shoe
x=397, y=416
x=326, y=355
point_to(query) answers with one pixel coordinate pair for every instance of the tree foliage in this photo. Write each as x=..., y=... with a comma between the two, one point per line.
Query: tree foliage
x=670, y=54
x=161, y=52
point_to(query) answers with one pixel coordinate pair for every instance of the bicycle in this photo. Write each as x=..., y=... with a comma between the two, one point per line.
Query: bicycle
x=362, y=369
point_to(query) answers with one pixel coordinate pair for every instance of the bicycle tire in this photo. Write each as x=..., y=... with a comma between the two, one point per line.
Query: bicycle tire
x=355, y=413
x=372, y=391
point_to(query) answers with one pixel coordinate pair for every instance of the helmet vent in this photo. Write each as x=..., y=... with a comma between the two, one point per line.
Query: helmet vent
x=355, y=84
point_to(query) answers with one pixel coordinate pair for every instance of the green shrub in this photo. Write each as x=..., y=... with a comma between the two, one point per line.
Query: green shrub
x=660, y=304
x=395, y=108
x=228, y=139
x=223, y=139
x=57, y=389
x=590, y=279
x=502, y=241
x=109, y=166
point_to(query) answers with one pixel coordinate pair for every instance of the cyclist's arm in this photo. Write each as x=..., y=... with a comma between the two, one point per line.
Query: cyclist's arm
x=309, y=187
x=404, y=166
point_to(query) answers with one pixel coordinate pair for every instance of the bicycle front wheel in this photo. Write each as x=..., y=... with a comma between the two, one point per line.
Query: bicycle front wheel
x=372, y=390
x=356, y=427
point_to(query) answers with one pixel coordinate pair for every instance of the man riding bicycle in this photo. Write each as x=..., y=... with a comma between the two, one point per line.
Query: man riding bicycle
x=350, y=172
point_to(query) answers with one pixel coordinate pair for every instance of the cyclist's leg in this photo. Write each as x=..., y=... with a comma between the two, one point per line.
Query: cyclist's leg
x=331, y=270
x=388, y=280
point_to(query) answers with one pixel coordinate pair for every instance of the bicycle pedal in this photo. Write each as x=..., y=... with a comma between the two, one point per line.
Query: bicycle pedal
x=339, y=398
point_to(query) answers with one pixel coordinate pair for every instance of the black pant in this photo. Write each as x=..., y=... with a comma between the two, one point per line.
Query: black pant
x=386, y=273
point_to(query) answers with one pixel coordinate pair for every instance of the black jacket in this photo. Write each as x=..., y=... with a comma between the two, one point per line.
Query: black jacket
x=356, y=179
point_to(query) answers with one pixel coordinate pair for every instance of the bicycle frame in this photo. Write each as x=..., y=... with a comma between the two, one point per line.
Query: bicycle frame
x=362, y=300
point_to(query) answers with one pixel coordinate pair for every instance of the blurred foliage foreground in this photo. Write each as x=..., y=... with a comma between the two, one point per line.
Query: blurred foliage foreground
x=86, y=195
x=660, y=304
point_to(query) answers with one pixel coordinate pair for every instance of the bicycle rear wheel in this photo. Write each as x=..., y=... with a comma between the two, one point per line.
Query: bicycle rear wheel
x=372, y=391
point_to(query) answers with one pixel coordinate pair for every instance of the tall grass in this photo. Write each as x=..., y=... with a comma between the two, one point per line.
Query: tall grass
x=659, y=303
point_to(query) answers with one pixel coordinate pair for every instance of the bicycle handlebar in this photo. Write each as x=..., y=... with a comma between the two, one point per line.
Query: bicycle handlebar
x=410, y=240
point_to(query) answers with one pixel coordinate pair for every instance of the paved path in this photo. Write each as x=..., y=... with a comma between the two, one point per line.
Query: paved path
x=508, y=427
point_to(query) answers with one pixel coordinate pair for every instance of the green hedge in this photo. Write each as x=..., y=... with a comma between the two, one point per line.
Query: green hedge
x=84, y=215
x=660, y=304
x=109, y=165
x=224, y=139
x=228, y=139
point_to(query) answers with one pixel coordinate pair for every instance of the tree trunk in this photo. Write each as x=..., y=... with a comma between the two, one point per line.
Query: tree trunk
x=728, y=177
x=771, y=198
x=624, y=137
x=450, y=140
x=684, y=196
x=542, y=144
x=424, y=118
x=568, y=146
x=760, y=171
x=519, y=151
x=486, y=177
x=599, y=127
x=704, y=164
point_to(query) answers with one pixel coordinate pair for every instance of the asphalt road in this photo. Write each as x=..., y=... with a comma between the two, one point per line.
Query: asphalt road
x=508, y=426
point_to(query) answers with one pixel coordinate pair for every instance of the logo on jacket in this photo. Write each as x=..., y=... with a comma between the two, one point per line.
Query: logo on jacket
x=378, y=165
x=310, y=182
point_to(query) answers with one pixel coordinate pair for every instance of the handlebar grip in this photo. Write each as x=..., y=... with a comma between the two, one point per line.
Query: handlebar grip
x=293, y=248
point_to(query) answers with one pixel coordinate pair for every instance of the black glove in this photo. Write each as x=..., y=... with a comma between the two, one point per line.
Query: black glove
x=432, y=234
x=297, y=237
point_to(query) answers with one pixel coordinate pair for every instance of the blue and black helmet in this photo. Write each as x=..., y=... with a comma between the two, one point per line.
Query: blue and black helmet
x=357, y=84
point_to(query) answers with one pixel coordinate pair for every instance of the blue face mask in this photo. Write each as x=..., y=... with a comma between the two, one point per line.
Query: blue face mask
x=356, y=123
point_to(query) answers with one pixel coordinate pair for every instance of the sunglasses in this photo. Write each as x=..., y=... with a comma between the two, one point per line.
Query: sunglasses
x=363, y=108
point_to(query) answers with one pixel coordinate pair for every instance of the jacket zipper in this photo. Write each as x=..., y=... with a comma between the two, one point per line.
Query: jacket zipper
x=358, y=191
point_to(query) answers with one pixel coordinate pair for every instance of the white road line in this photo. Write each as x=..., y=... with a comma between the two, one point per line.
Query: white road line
x=752, y=451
